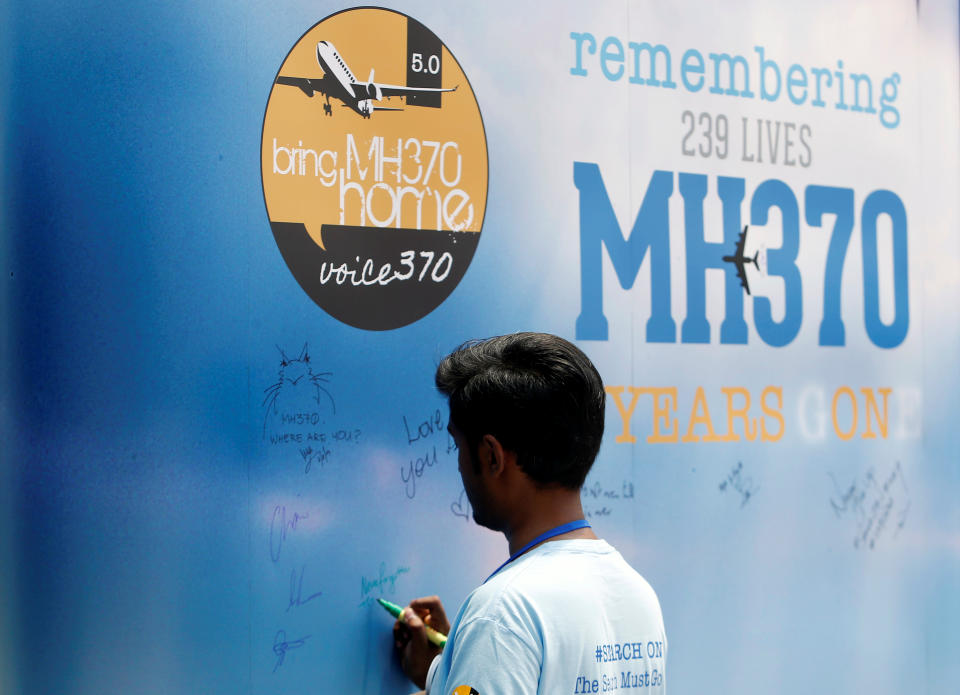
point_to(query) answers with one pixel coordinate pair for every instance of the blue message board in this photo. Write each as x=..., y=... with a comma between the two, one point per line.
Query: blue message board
x=239, y=238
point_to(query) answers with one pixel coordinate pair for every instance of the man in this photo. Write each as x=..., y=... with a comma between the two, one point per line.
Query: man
x=565, y=614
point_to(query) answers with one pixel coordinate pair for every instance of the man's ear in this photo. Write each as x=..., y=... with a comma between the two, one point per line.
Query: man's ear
x=494, y=456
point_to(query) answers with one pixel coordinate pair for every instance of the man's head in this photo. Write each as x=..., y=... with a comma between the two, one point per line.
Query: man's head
x=537, y=394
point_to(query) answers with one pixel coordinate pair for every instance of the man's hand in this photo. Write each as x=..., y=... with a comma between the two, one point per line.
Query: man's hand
x=410, y=636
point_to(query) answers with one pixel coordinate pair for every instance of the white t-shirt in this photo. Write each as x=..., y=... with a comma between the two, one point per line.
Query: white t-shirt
x=568, y=617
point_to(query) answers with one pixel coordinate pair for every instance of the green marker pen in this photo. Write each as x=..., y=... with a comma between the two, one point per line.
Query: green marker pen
x=396, y=611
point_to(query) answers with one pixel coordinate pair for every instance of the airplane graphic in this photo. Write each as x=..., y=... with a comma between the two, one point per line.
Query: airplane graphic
x=739, y=260
x=339, y=82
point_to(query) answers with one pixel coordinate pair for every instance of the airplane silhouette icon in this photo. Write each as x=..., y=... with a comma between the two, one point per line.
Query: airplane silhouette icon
x=740, y=260
x=339, y=82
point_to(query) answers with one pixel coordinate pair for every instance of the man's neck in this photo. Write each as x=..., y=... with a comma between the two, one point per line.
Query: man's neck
x=547, y=510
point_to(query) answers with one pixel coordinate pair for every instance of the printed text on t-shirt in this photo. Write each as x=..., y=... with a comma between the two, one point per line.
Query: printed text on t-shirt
x=627, y=651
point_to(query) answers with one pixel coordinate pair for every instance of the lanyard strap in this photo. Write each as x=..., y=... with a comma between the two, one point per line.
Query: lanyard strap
x=547, y=535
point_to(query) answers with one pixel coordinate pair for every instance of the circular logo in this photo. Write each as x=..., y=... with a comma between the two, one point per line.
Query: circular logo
x=374, y=167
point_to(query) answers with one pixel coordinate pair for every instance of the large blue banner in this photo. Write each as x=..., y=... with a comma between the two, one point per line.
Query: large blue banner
x=239, y=238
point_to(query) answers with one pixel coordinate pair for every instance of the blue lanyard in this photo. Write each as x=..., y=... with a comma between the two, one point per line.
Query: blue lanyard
x=547, y=535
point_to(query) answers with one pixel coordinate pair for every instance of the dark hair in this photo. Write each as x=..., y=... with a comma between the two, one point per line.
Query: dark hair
x=538, y=394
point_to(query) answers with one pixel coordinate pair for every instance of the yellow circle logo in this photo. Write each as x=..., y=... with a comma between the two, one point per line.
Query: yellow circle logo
x=374, y=167
x=465, y=690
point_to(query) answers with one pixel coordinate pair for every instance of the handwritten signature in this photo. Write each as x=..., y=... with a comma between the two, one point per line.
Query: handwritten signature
x=281, y=646
x=603, y=511
x=383, y=583
x=280, y=525
x=735, y=480
x=872, y=502
x=597, y=496
x=599, y=491
x=311, y=456
x=296, y=590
